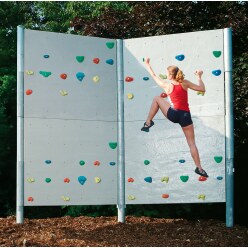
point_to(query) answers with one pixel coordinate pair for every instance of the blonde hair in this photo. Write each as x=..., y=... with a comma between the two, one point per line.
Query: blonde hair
x=176, y=73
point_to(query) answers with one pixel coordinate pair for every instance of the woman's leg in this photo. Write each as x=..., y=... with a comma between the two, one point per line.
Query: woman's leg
x=158, y=103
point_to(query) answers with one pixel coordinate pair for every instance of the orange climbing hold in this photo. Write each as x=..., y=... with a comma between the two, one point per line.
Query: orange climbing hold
x=29, y=92
x=129, y=79
x=163, y=95
x=30, y=199
x=130, y=180
x=165, y=195
x=96, y=163
x=202, y=178
x=63, y=76
x=96, y=60
x=66, y=180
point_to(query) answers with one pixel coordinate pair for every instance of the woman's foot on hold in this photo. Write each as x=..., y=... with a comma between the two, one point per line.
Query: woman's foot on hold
x=201, y=172
x=147, y=126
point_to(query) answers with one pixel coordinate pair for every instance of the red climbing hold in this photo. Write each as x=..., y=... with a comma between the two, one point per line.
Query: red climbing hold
x=96, y=60
x=201, y=178
x=29, y=92
x=163, y=95
x=63, y=76
x=30, y=199
x=165, y=195
x=129, y=79
x=96, y=163
x=66, y=180
x=130, y=180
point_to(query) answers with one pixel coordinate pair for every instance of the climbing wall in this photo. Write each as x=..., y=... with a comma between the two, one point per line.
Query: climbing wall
x=70, y=120
x=159, y=167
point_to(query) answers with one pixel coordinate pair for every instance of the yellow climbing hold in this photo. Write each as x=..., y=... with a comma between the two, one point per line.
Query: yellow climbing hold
x=130, y=96
x=131, y=197
x=96, y=79
x=30, y=180
x=63, y=93
x=201, y=196
x=97, y=179
x=165, y=179
x=29, y=72
x=200, y=93
x=65, y=198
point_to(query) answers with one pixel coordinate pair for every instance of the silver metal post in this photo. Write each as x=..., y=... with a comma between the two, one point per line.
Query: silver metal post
x=121, y=145
x=229, y=126
x=20, y=126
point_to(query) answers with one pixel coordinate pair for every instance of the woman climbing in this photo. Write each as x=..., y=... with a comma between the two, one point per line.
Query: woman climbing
x=177, y=90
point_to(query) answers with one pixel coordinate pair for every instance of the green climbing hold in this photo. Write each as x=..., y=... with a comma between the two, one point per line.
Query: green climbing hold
x=162, y=76
x=45, y=73
x=110, y=45
x=113, y=145
x=146, y=162
x=48, y=180
x=82, y=162
x=184, y=178
x=80, y=59
x=218, y=159
x=217, y=54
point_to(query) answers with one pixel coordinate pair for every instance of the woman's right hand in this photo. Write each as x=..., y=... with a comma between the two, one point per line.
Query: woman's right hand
x=198, y=73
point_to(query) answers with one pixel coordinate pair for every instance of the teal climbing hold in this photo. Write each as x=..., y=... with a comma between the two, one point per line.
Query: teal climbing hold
x=110, y=61
x=46, y=56
x=182, y=161
x=219, y=178
x=184, y=178
x=113, y=145
x=146, y=162
x=110, y=45
x=218, y=159
x=48, y=180
x=148, y=179
x=145, y=78
x=80, y=76
x=80, y=59
x=82, y=180
x=217, y=54
x=112, y=163
x=216, y=72
x=82, y=162
x=45, y=73
x=48, y=161
x=180, y=57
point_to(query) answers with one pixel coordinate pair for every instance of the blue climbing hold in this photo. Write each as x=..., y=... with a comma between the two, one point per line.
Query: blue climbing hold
x=48, y=161
x=80, y=76
x=180, y=57
x=219, y=178
x=112, y=163
x=182, y=161
x=82, y=180
x=46, y=56
x=216, y=72
x=110, y=61
x=145, y=78
x=148, y=179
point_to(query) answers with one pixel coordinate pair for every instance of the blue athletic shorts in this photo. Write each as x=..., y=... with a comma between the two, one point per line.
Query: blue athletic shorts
x=179, y=116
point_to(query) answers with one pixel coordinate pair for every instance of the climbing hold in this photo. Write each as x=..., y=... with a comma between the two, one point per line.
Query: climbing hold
x=48, y=161
x=97, y=179
x=30, y=180
x=130, y=96
x=184, y=178
x=163, y=95
x=218, y=159
x=165, y=179
x=131, y=197
x=165, y=195
x=82, y=162
x=96, y=79
x=113, y=145
x=202, y=178
x=63, y=76
x=48, y=180
x=82, y=180
x=219, y=178
x=96, y=163
x=80, y=59
x=29, y=72
x=201, y=196
x=182, y=161
x=145, y=78
x=96, y=60
x=46, y=56
x=217, y=54
x=30, y=199
x=130, y=180
x=80, y=76
x=110, y=61
x=148, y=179
x=66, y=180
x=128, y=79
x=146, y=162
x=110, y=45
x=29, y=92
x=65, y=198
x=216, y=72
x=180, y=57
x=45, y=73
x=63, y=93
x=112, y=163
x=162, y=76
x=200, y=93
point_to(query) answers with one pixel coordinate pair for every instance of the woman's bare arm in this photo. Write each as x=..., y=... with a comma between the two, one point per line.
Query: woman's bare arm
x=197, y=87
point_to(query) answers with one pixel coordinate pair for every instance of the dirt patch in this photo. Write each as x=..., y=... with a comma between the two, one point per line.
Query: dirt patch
x=106, y=231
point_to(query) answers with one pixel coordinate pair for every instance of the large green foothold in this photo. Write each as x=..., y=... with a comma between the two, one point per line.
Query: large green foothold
x=217, y=54
x=80, y=59
x=162, y=76
x=45, y=73
x=218, y=159
x=146, y=162
x=184, y=178
x=113, y=145
x=110, y=45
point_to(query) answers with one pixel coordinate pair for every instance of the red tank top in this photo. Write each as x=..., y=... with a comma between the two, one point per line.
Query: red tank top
x=179, y=98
